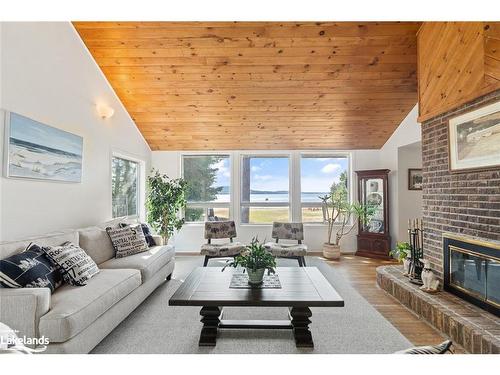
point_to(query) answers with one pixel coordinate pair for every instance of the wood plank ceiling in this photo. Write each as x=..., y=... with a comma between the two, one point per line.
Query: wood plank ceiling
x=259, y=85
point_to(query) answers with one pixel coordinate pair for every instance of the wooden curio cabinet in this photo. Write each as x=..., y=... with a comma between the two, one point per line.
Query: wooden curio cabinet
x=374, y=240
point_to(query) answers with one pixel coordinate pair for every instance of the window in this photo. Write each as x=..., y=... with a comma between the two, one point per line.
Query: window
x=125, y=187
x=265, y=189
x=317, y=174
x=208, y=180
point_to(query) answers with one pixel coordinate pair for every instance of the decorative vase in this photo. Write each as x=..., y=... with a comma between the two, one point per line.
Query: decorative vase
x=406, y=266
x=331, y=251
x=255, y=277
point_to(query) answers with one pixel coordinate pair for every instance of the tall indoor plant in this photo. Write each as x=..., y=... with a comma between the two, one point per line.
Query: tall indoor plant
x=341, y=213
x=165, y=199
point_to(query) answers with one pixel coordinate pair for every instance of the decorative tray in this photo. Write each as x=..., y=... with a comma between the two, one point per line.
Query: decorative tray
x=240, y=281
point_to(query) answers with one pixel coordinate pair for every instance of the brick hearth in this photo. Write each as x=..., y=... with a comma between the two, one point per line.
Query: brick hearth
x=467, y=325
x=462, y=203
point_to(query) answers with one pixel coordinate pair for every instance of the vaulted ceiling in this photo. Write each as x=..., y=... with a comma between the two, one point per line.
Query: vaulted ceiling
x=259, y=85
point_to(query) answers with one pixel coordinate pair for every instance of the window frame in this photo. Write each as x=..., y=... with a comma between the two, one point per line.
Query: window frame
x=242, y=204
x=141, y=179
x=323, y=154
x=208, y=205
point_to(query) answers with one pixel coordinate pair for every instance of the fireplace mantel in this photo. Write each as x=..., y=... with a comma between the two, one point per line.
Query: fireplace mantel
x=471, y=239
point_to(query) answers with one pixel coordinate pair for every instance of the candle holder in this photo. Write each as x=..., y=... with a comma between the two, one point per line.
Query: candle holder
x=416, y=237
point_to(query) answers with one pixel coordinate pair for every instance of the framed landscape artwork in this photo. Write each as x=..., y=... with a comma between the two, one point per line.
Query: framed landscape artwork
x=38, y=151
x=414, y=179
x=474, y=139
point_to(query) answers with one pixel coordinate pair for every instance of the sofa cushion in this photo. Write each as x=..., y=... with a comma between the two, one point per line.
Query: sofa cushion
x=29, y=269
x=75, y=308
x=52, y=239
x=148, y=262
x=147, y=233
x=128, y=240
x=96, y=243
x=76, y=266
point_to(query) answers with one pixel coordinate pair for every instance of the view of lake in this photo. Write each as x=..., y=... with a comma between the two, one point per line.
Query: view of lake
x=274, y=197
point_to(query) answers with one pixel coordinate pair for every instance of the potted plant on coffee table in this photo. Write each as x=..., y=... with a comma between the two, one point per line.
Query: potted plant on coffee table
x=256, y=260
x=340, y=213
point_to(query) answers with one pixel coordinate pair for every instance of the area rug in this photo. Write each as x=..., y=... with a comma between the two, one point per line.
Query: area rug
x=155, y=327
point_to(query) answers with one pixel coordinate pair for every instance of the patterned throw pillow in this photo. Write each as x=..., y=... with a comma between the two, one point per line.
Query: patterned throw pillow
x=431, y=349
x=29, y=269
x=147, y=233
x=76, y=266
x=127, y=240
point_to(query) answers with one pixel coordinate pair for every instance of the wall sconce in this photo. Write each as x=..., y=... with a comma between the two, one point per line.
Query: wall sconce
x=105, y=111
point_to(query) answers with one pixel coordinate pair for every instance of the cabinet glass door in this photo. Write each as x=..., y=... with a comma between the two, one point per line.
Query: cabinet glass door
x=373, y=195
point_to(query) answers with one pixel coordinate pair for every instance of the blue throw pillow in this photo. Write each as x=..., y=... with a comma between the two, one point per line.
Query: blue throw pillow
x=29, y=269
x=149, y=237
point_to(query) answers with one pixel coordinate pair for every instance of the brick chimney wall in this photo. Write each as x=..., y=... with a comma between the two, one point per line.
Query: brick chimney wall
x=462, y=203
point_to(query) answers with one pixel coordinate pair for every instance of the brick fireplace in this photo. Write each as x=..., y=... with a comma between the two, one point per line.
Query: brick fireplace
x=460, y=211
x=460, y=203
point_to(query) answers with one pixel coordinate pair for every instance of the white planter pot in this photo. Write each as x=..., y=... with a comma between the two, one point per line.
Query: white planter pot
x=331, y=251
x=406, y=266
x=255, y=277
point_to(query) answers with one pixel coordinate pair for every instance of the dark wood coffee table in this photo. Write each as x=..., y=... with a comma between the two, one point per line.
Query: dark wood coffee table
x=301, y=288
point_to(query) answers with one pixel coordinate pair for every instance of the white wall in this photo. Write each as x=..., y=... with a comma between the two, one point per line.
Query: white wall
x=47, y=74
x=190, y=238
x=409, y=201
x=1, y=132
x=408, y=132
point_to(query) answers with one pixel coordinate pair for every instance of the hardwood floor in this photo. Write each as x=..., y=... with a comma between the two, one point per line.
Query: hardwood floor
x=360, y=272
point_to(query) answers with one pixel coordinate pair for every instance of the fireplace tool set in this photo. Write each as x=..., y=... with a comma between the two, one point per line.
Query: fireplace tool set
x=416, y=237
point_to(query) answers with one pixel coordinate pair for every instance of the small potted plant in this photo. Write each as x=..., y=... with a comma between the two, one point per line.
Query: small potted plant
x=339, y=212
x=402, y=253
x=256, y=260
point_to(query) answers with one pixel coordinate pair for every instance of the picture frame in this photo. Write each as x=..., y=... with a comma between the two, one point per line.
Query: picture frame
x=36, y=151
x=473, y=140
x=415, y=179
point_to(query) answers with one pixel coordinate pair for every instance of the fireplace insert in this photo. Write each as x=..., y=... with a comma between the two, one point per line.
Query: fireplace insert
x=472, y=271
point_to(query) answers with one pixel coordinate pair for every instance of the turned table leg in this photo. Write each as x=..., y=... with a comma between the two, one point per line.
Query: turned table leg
x=300, y=322
x=210, y=319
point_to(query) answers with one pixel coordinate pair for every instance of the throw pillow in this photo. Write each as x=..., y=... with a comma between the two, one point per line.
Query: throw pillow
x=76, y=266
x=127, y=240
x=29, y=269
x=431, y=349
x=147, y=233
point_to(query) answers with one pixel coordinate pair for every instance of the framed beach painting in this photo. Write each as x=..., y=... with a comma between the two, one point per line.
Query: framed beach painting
x=38, y=151
x=474, y=139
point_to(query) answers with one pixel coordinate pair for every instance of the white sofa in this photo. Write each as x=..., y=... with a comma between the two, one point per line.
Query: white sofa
x=76, y=319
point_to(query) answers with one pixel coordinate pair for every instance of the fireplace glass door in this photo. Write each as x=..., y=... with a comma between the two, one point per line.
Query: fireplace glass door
x=493, y=281
x=475, y=274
